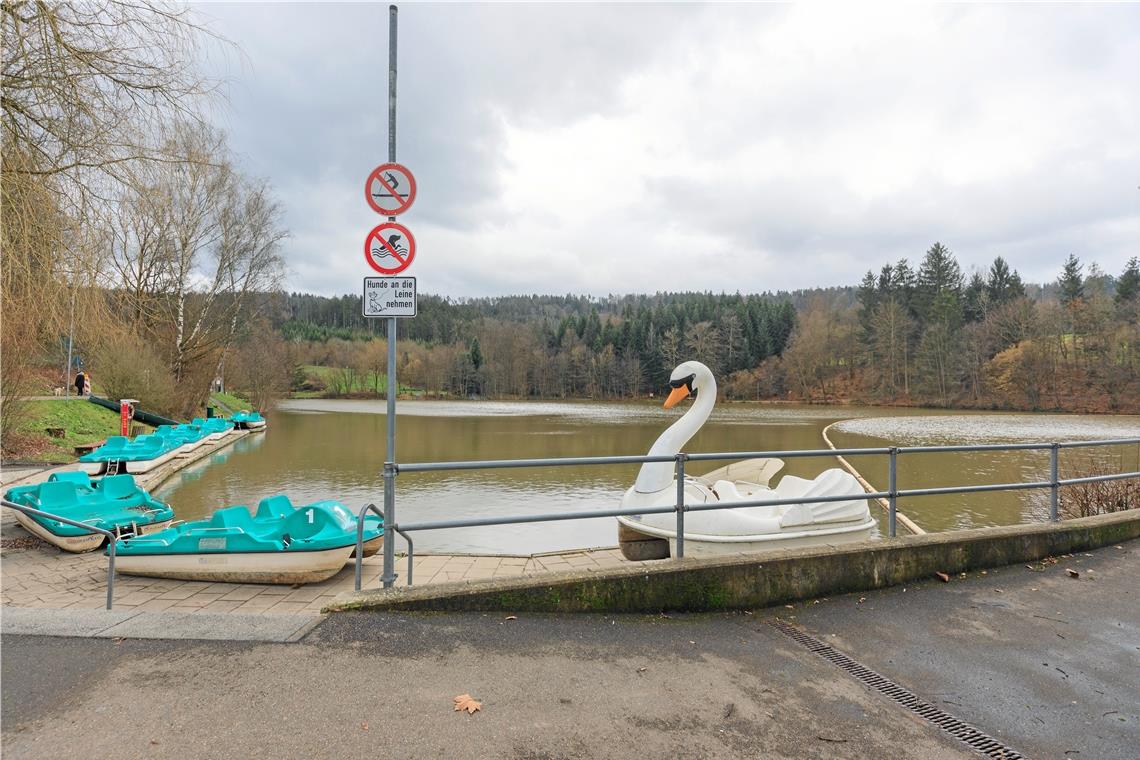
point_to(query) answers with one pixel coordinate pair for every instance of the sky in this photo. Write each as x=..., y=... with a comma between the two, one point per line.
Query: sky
x=636, y=148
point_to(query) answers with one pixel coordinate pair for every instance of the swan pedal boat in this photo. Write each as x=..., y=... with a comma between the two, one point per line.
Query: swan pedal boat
x=114, y=503
x=710, y=533
x=280, y=544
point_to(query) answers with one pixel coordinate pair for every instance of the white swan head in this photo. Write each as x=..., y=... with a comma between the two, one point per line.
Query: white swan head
x=689, y=378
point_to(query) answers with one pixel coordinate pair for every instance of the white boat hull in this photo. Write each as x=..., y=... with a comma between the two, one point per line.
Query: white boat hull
x=248, y=567
x=87, y=542
x=700, y=545
x=146, y=465
x=371, y=547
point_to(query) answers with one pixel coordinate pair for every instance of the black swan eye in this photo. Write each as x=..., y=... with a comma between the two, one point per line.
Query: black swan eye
x=684, y=381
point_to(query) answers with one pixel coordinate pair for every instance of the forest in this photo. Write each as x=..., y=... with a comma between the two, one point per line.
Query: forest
x=921, y=334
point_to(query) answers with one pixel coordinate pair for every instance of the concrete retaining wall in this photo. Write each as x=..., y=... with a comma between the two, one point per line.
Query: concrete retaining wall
x=752, y=581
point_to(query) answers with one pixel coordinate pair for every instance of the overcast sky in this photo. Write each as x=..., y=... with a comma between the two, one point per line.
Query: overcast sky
x=636, y=148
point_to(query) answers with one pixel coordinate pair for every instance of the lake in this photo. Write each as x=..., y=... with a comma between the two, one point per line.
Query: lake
x=319, y=449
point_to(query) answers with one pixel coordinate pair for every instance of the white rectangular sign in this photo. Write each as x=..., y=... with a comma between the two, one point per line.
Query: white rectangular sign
x=390, y=297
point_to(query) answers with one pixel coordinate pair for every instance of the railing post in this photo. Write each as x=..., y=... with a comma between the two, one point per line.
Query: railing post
x=1054, y=468
x=110, y=571
x=680, y=475
x=388, y=577
x=893, y=490
x=360, y=543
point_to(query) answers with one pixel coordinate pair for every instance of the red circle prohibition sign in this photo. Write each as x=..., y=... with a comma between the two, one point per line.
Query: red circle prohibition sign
x=390, y=189
x=389, y=248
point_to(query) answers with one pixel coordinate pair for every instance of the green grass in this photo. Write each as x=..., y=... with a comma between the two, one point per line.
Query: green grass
x=362, y=383
x=82, y=421
x=228, y=403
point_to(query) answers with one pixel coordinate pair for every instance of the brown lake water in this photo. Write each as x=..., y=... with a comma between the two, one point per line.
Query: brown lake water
x=320, y=449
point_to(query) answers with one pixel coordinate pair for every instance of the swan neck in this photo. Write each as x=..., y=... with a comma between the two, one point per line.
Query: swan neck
x=657, y=476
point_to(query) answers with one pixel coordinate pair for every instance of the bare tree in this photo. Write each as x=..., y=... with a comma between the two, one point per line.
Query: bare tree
x=84, y=87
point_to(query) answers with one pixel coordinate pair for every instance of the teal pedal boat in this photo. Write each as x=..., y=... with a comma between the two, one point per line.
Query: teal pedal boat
x=278, y=544
x=247, y=420
x=142, y=454
x=215, y=428
x=113, y=503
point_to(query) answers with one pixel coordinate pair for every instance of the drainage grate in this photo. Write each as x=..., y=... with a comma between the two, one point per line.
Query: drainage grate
x=960, y=730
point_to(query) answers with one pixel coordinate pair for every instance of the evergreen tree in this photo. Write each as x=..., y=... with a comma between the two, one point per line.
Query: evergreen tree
x=1003, y=285
x=975, y=299
x=1072, y=283
x=939, y=288
x=1128, y=286
x=868, y=299
x=475, y=354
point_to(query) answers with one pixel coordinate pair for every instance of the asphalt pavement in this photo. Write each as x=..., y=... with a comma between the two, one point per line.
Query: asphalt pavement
x=1044, y=662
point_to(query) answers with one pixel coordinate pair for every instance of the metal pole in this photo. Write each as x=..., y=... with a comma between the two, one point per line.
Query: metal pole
x=70, y=342
x=1054, y=461
x=892, y=488
x=680, y=506
x=389, y=576
x=110, y=571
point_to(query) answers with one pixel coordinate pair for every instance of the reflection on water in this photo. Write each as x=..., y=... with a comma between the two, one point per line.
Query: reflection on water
x=318, y=449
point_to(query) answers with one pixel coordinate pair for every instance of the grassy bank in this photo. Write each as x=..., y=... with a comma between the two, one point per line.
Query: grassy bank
x=81, y=422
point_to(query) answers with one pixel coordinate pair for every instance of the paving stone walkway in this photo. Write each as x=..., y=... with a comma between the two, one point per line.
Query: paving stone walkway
x=38, y=575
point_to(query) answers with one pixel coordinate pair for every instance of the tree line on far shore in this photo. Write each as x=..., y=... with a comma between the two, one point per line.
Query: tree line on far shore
x=907, y=334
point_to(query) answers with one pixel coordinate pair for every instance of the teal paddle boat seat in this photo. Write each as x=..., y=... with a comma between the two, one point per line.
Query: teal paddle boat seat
x=114, y=503
x=280, y=507
x=279, y=544
x=215, y=428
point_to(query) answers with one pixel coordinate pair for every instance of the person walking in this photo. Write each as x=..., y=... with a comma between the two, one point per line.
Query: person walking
x=80, y=382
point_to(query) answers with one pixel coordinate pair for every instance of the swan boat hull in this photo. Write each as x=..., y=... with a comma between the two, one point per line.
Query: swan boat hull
x=638, y=539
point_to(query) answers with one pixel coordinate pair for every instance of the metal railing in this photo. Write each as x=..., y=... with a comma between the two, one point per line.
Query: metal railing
x=111, y=538
x=892, y=494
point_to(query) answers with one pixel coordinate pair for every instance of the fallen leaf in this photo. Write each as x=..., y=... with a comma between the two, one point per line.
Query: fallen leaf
x=364, y=726
x=1072, y=573
x=997, y=590
x=790, y=606
x=154, y=741
x=642, y=670
x=511, y=617
x=943, y=577
x=468, y=703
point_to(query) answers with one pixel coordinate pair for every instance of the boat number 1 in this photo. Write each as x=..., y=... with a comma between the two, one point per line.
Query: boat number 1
x=309, y=512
